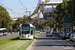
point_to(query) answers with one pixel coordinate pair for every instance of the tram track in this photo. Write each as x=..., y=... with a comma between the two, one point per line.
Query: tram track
x=10, y=45
x=16, y=44
x=23, y=45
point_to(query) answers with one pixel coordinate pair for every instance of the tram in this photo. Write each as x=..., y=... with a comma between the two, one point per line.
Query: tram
x=3, y=31
x=27, y=31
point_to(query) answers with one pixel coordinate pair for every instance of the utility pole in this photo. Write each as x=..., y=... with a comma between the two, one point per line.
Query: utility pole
x=64, y=13
x=72, y=16
x=43, y=13
x=28, y=12
x=52, y=15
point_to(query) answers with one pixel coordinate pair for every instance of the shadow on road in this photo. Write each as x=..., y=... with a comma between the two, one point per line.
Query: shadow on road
x=58, y=45
x=15, y=38
x=19, y=39
x=48, y=39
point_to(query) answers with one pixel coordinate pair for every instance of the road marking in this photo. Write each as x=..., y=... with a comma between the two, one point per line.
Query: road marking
x=34, y=45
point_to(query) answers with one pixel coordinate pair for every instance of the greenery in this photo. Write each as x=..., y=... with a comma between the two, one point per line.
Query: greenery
x=7, y=40
x=4, y=17
x=26, y=45
x=64, y=10
x=22, y=20
x=37, y=22
x=15, y=43
x=49, y=21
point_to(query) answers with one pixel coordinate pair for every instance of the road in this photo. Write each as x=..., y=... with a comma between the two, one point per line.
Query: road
x=52, y=43
x=9, y=35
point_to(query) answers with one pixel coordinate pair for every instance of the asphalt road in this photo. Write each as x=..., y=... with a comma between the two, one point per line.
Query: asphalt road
x=52, y=43
x=9, y=35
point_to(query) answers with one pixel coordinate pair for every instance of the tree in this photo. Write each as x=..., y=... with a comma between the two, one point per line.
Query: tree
x=36, y=22
x=25, y=19
x=64, y=9
x=49, y=21
x=18, y=22
x=4, y=17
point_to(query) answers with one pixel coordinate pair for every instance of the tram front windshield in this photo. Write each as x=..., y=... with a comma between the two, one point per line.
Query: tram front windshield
x=25, y=29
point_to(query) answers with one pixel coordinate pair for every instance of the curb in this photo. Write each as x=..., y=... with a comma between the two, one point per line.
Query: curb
x=31, y=45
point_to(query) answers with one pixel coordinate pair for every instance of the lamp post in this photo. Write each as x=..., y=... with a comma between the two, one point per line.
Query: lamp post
x=64, y=13
x=72, y=14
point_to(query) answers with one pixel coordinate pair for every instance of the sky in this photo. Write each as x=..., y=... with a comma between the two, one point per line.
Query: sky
x=17, y=8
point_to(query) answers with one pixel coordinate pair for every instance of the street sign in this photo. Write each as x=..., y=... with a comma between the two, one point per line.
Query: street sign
x=67, y=19
x=67, y=22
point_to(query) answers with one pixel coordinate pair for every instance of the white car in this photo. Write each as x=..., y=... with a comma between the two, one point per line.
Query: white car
x=63, y=35
x=72, y=37
x=48, y=33
x=60, y=34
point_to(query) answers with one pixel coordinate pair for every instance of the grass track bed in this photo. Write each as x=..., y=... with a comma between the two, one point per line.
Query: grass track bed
x=14, y=43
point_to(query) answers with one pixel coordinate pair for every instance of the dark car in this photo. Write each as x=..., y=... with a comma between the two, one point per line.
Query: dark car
x=64, y=34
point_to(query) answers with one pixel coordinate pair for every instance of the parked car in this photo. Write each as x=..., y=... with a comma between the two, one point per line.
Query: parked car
x=60, y=34
x=68, y=35
x=72, y=37
x=48, y=33
x=55, y=31
x=64, y=34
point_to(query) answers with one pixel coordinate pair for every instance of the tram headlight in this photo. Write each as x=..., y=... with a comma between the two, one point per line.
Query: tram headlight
x=28, y=35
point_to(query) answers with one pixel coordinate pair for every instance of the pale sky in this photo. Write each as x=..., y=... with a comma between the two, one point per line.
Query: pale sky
x=16, y=9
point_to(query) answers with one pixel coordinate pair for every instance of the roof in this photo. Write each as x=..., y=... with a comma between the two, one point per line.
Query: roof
x=2, y=29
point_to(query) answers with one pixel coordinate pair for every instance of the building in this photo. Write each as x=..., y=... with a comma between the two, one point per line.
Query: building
x=47, y=13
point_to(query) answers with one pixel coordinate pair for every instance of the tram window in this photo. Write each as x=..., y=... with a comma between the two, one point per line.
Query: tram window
x=25, y=32
x=31, y=32
x=25, y=25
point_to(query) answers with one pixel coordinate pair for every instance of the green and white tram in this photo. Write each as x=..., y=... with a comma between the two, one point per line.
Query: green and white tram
x=27, y=31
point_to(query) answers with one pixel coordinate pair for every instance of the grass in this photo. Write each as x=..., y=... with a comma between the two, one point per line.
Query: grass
x=25, y=46
x=14, y=43
x=7, y=40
